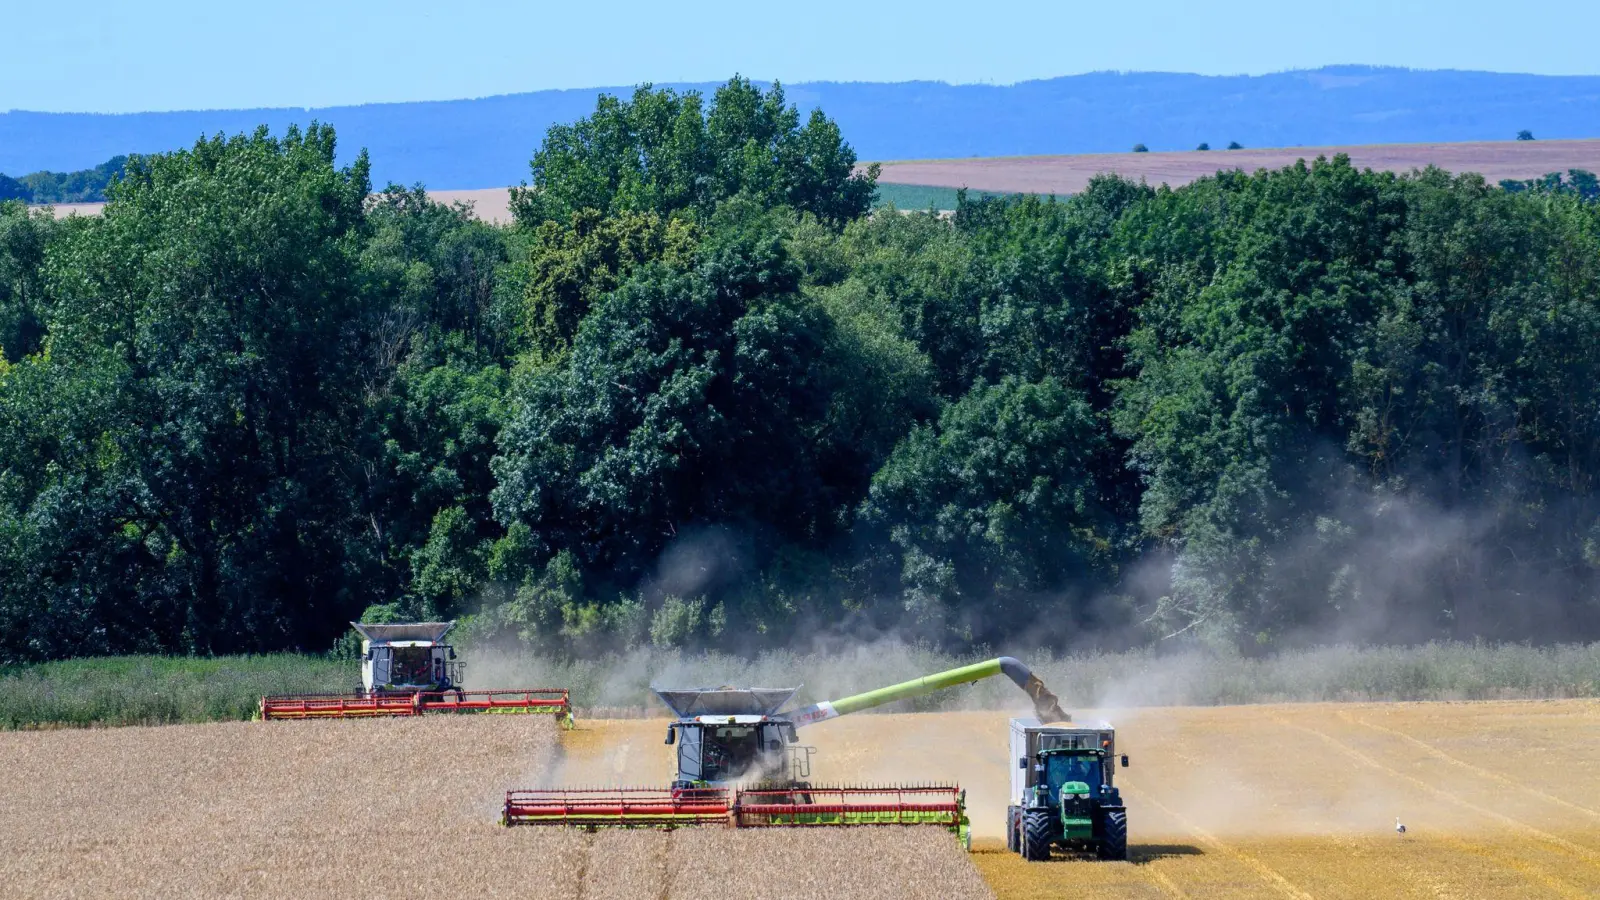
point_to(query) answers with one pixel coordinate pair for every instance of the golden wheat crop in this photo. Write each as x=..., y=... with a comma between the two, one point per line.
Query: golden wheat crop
x=1500, y=799
x=393, y=808
x=396, y=808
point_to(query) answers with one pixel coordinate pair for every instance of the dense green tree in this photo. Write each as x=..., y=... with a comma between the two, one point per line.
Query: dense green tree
x=1335, y=405
x=709, y=402
x=23, y=304
x=201, y=491
x=666, y=153
x=571, y=265
x=84, y=186
x=698, y=395
x=12, y=189
x=917, y=270
x=995, y=513
x=1576, y=182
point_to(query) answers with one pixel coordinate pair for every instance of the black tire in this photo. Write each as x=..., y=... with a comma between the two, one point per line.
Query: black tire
x=1114, y=835
x=1013, y=835
x=1038, y=833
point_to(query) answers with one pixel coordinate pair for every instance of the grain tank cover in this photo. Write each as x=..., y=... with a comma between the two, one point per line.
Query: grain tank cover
x=726, y=701
x=422, y=632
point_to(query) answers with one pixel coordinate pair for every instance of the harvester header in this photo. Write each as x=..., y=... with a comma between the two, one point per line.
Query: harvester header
x=739, y=764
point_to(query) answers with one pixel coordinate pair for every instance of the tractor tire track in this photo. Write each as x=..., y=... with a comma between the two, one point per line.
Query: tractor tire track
x=1555, y=884
x=1435, y=752
x=1271, y=876
x=1166, y=885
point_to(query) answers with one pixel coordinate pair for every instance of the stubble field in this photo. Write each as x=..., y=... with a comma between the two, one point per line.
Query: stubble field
x=1499, y=798
x=1069, y=174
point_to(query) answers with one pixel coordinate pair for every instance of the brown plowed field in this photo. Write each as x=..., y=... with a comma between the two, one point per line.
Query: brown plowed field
x=1495, y=160
x=1501, y=800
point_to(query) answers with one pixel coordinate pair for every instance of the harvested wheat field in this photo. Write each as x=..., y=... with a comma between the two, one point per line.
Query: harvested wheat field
x=393, y=808
x=1495, y=160
x=1500, y=799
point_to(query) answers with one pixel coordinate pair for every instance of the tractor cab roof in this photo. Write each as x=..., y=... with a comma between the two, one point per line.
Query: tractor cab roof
x=725, y=702
x=1032, y=724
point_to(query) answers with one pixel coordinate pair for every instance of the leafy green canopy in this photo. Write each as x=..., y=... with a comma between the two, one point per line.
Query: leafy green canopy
x=697, y=396
x=695, y=402
x=24, y=309
x=83, y=186
x=1355, y=404
x=178, y=468
x=667, y=153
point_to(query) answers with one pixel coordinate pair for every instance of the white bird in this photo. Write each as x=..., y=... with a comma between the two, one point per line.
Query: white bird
x=1398, y=827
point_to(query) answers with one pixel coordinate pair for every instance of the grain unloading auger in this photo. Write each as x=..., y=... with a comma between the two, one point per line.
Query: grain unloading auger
x=407, y=669
x=740, y=764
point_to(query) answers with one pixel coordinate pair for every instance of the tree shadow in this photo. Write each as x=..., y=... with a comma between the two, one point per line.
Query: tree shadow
x=1139, y=854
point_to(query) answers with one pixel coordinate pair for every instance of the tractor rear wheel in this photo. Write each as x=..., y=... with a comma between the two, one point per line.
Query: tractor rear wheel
x=1114, y=836
x=1013, y=830
x=1038, y=833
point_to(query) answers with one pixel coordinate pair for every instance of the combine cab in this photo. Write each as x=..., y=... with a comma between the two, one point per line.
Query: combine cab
x=407, y=669
x=740, y=764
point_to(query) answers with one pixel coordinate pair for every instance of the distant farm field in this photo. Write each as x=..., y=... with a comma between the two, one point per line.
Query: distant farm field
x=917, y=184
x=1495, y=160
x=1500, y=799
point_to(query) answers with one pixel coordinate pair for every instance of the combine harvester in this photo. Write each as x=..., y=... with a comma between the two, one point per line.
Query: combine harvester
x=407, y=669
x=740, y=764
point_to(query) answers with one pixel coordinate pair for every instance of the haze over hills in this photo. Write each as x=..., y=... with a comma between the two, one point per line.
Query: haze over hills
x=487, y=142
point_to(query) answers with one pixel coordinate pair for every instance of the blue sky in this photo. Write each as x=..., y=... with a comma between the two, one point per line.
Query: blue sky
x=183, y=54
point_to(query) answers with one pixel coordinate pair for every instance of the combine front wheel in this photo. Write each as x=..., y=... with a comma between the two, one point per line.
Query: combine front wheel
x=1038, y=833
x=1114, y=840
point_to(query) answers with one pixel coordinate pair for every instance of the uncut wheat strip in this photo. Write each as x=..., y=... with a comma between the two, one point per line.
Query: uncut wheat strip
x=276, y=809
x=626, y=864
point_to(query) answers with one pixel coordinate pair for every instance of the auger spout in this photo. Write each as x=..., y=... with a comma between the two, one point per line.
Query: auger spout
x=1045, y=704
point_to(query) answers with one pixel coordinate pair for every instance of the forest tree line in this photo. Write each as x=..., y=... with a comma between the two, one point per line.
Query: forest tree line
x=83, y=186
x=698, y=394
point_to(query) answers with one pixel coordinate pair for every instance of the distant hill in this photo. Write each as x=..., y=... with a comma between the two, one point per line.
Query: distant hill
x=487, y=142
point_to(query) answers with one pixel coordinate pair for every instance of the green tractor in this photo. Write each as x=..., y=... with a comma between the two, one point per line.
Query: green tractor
x=1063, y=793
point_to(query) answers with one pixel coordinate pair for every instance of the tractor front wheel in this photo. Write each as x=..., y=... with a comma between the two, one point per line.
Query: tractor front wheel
x=1114, y=837
x=1038, y=833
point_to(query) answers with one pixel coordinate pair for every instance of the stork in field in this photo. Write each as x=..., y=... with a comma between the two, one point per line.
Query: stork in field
x=1399, y=827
